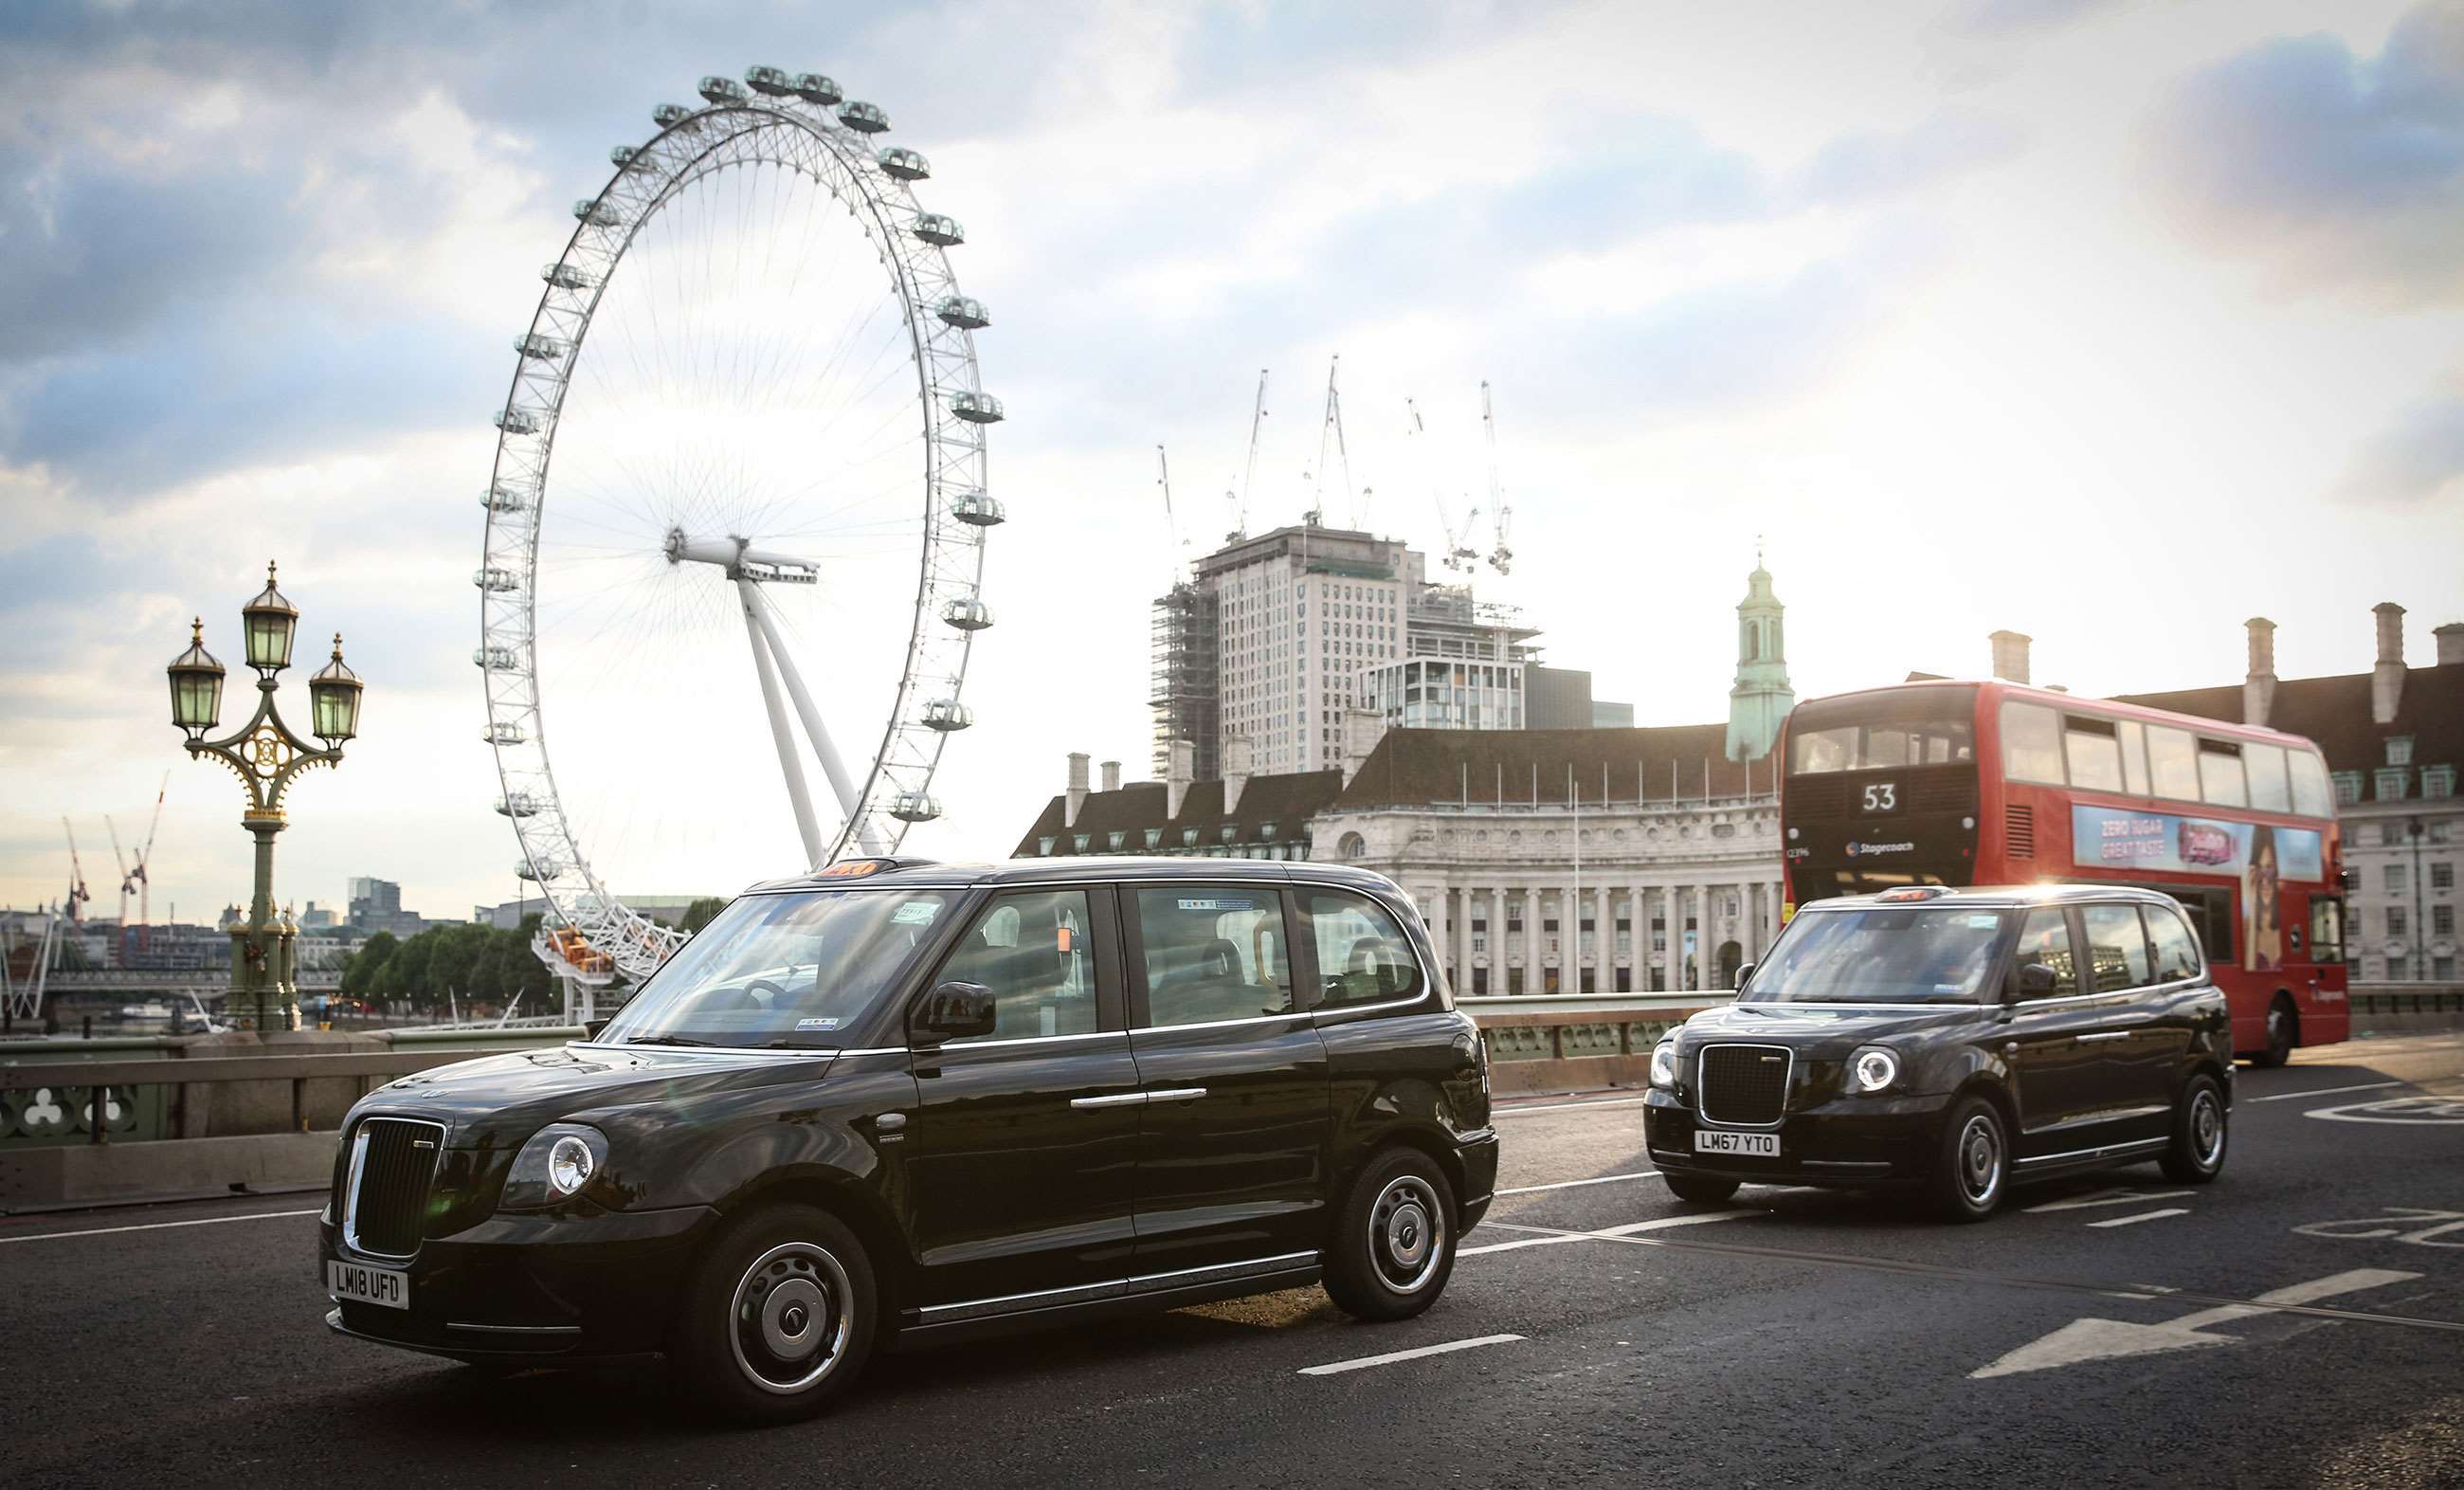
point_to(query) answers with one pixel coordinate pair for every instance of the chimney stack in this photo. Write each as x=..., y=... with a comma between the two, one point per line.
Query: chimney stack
x=2009, y=657
x=1175, y=782
x=2450, y=643
x=1076, y=796
x=1236, y=760
x=2259, y=689
x=2386, y=679
x=1111, y=775
x=1362, y=729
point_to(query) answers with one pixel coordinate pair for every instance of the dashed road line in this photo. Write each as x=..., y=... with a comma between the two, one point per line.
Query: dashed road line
x=1601, y=1179
x=154, y=1226
x=2323, y=1091
x=2105, y=1197
x=1522, y=1112
x=1557, y=1239
x=1337, y=1367
x=2144, y=1215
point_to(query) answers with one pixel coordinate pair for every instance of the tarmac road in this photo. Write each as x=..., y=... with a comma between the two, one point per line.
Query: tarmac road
x=2298, y=1322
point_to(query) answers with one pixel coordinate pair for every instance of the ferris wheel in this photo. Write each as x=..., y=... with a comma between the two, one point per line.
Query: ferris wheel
x=745, y=417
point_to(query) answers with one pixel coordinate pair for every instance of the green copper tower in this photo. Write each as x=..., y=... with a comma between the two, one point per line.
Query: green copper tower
x=1761, y=697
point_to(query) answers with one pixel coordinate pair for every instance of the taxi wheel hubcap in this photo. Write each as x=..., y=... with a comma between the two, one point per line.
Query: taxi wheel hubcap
x=1405, y=1233
x=788, y=1320
x=2206, y=1128
x=1980, y=1159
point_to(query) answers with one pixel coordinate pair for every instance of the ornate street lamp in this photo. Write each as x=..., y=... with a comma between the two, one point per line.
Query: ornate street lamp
x=267, y=757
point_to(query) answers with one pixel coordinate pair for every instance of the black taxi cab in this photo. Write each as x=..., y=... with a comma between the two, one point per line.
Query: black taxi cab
x=902, y=1101
x=1954, y=1042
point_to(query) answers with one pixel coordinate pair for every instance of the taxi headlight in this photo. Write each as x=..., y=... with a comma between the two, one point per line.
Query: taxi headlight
x=1873, y=1069
x=553, y=1166
x=1664, y=1065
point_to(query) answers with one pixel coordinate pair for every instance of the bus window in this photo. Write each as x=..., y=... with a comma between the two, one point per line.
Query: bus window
x=2032, y=743
x=2327, y=929
x=2173, y=762
x=2211, y=914
x=2132, y=736
x=2310, y=795
x=1815, y=751
x=2220, y=775
x=2093, y=753
x=2269, y=790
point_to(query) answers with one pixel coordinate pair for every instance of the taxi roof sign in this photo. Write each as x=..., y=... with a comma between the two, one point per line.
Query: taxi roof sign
x=855, y=868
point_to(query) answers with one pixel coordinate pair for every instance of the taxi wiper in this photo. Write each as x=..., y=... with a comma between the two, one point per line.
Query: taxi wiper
x=662, y=1040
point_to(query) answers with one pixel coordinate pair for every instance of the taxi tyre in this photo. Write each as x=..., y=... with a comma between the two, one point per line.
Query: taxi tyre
x=727, y=1320
x=1700, y=1189
x=2189, y=1160
x=1949, y=1189
x=1394, y=1239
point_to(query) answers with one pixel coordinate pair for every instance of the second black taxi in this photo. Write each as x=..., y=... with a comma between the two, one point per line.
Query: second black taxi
x=901, y=1101
x=1956, y=1041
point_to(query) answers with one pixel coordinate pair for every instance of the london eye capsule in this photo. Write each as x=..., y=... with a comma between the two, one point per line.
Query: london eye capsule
x=770, y=81
x=905, y=164
x=544, y=869
x=492, y=659
x=537, y=347
x=564, y=277
x=967, y=614
x=976, y=408
x=864, y=118
x=492, y=578
x=963, y=311
x=668, y=116
x=814, y=88
x=948, y=716
x=937, y=229
x=505, y=732
x=518, y=421
x=978, y=510
x=597, y=214
x=517, y=804
x=505, y=497
x=722, y=90
x=914, y=807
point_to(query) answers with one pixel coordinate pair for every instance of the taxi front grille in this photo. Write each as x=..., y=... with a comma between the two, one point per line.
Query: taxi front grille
x=392, y=1159
x=1744, y=1085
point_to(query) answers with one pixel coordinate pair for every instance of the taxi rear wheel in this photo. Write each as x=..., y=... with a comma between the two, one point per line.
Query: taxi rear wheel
x=2197, y=1152
x=1973, y=1170
x=778, y=1318
x=1394, y=1239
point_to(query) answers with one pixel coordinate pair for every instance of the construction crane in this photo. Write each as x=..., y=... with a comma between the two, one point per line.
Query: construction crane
x=78, y=894
x=1240, y=501
x=127, y=888
x=1501, y=558
x=1331, y=428
x=1170, y=522
x=138, y=871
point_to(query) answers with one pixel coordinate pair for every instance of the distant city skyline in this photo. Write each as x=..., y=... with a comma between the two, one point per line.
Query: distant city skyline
x=2109, y=324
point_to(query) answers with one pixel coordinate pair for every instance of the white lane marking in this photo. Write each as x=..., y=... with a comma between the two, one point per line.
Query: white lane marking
x=1604, y=1179
x=2324, y=1091
x=2144, y=1215
x=2104, y=1197
x=2413, y=1111
x=156, y=1226
x=1608, y=1233
x=1518, y=1112
x=2098, y=1340
x=1391, y=1357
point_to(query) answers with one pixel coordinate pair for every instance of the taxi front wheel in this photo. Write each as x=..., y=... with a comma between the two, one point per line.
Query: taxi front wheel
x=1973, y=1167
x=778, y=1317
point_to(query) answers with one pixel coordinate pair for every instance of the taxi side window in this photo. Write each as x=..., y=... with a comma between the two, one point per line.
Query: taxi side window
x=1363, y=957
x=2116, y=948
x=1031, y=948
x=2177, y=952
x=1214, y=954
x=2045, y=938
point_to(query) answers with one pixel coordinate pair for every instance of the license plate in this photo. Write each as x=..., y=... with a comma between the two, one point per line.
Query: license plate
x=1764, y=1146
x=359, y=1283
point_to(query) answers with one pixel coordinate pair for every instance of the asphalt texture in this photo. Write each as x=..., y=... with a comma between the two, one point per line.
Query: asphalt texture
x=2298, y=1322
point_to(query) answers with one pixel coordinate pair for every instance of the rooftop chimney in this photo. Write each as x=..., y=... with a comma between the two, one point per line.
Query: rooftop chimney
x=1236, y=760
x=1111, y=775
x=1362, y=729
x=2259, y=689
x=1175, y=782
x=1076, y=796
x=2009, y=657
x=2450, y=643
x=2386, y=679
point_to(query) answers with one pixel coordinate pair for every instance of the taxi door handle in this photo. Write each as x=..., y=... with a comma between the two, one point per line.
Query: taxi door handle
x=1111, y=1099
x=1177, y=1094
x=2106, y=1035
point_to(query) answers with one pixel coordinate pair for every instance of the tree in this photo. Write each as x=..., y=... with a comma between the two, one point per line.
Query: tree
x=362, y=968
x=698, y=914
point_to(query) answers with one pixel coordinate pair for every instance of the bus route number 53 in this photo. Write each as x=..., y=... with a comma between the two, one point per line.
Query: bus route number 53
x=1882, y=796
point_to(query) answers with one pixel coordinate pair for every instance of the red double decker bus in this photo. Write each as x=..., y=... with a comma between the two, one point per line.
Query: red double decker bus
x=1992, y=783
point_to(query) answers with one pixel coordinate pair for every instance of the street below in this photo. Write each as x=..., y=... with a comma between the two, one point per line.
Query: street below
x=2300, y=1322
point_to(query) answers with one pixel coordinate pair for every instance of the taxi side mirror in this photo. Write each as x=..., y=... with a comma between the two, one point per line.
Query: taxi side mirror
x=953, y=1012
x=2037, y=978
x=1744, y=974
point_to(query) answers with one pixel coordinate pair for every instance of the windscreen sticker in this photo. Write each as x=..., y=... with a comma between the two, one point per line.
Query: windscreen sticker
x=1984, y=922
x=817, y=1024
x=1219, y=905
x=915, y=913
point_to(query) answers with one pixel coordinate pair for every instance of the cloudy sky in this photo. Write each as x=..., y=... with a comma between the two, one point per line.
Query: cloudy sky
x=2114, y=324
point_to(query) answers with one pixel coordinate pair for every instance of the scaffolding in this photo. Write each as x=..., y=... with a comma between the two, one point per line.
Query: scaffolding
x=1184, y=645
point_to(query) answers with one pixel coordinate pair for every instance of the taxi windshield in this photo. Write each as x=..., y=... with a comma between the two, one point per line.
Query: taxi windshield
x=1880, y=954
x=782, y=972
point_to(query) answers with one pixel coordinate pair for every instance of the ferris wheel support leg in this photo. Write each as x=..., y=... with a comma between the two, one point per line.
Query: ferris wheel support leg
x=807, y=827
x=832, y=766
